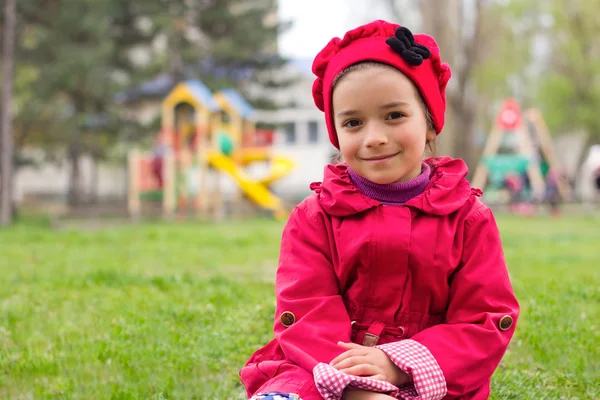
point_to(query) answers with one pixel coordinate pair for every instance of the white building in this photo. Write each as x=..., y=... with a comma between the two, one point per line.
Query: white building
x=301, y=134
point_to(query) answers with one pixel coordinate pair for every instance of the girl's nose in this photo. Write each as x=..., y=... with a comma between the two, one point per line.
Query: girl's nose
x=375, y=136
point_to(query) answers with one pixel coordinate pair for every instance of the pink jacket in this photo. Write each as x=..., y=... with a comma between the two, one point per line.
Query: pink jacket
x=429, y=275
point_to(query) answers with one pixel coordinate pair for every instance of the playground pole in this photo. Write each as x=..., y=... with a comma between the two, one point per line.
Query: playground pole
x=217, y=198
x=200, y=132
x=168, y=167
x=491, y=147
x=533, y=168
x=133, y=199
x=204, y=127
x=237, y=200
x=547, y=148
x=237, y=130
x=169, y=184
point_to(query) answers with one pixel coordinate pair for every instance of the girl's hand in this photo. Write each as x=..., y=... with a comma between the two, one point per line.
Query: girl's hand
x=363, y=395
x=369, y=362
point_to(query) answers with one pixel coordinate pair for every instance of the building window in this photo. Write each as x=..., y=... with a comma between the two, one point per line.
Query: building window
x=313, y=132
x=289, y=130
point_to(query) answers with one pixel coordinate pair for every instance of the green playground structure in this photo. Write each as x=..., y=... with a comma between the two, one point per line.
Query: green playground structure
x=519, y=148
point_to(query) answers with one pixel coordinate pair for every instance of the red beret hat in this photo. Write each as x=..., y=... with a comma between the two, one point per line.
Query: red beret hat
x=417, y=57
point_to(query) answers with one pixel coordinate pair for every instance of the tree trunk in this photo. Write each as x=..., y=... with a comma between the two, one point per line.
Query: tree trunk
x=464, y=134
x=94, y=180
x=6, y=140
x=438, y=21
x=447, y=22
x=75, y=195
x=175, y=41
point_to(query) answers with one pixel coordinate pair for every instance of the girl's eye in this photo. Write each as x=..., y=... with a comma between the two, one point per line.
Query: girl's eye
x=353, y=123
x=395, y=115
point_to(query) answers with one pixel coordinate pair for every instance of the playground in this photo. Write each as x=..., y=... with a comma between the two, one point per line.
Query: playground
x=171, y=310
x=206, y=138
x=201, y=163
x=519, y=165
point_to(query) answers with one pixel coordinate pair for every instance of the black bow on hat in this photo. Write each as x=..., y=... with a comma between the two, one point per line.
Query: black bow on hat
x=404, y=44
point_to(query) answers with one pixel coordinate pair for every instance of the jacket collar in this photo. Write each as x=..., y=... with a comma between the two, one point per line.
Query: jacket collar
x=448, y=190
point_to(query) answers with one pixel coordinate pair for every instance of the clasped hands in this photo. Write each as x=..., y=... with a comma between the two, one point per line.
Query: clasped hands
x=368, y=362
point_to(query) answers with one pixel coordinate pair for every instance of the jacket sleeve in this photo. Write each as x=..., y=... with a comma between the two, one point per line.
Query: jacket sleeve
x=481, y=315
x=310, y=316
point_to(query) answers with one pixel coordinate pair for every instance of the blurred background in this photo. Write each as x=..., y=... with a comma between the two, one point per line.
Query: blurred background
x=91, y=80
x=151, y=151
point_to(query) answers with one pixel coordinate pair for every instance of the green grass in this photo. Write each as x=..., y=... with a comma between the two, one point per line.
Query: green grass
x=172, y=311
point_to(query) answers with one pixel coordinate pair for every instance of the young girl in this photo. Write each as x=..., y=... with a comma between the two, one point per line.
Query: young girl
x=391, y=281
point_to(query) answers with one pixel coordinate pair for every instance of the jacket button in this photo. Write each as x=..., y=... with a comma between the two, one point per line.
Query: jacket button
x=287, y=319
x=505, y=322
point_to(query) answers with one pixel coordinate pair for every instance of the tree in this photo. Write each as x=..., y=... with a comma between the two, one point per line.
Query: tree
x=569, y=88
x=75, y=55
x=226, y=43
x=81, y=50
x=476, y=38
x=6, y=140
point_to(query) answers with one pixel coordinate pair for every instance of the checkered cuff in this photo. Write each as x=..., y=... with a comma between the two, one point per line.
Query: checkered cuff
x=416, y=360
x=331, y=383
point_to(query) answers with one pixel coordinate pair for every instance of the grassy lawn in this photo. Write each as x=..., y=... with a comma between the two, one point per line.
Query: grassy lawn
x=172, y=311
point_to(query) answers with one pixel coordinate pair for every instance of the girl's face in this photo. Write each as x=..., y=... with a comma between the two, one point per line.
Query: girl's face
x=381, y=124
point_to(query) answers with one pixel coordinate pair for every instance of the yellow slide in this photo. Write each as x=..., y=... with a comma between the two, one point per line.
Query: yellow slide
x=256, y=190
x=280, y=166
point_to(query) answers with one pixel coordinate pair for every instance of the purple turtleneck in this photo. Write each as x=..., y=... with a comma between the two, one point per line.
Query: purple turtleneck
x=392, y=194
